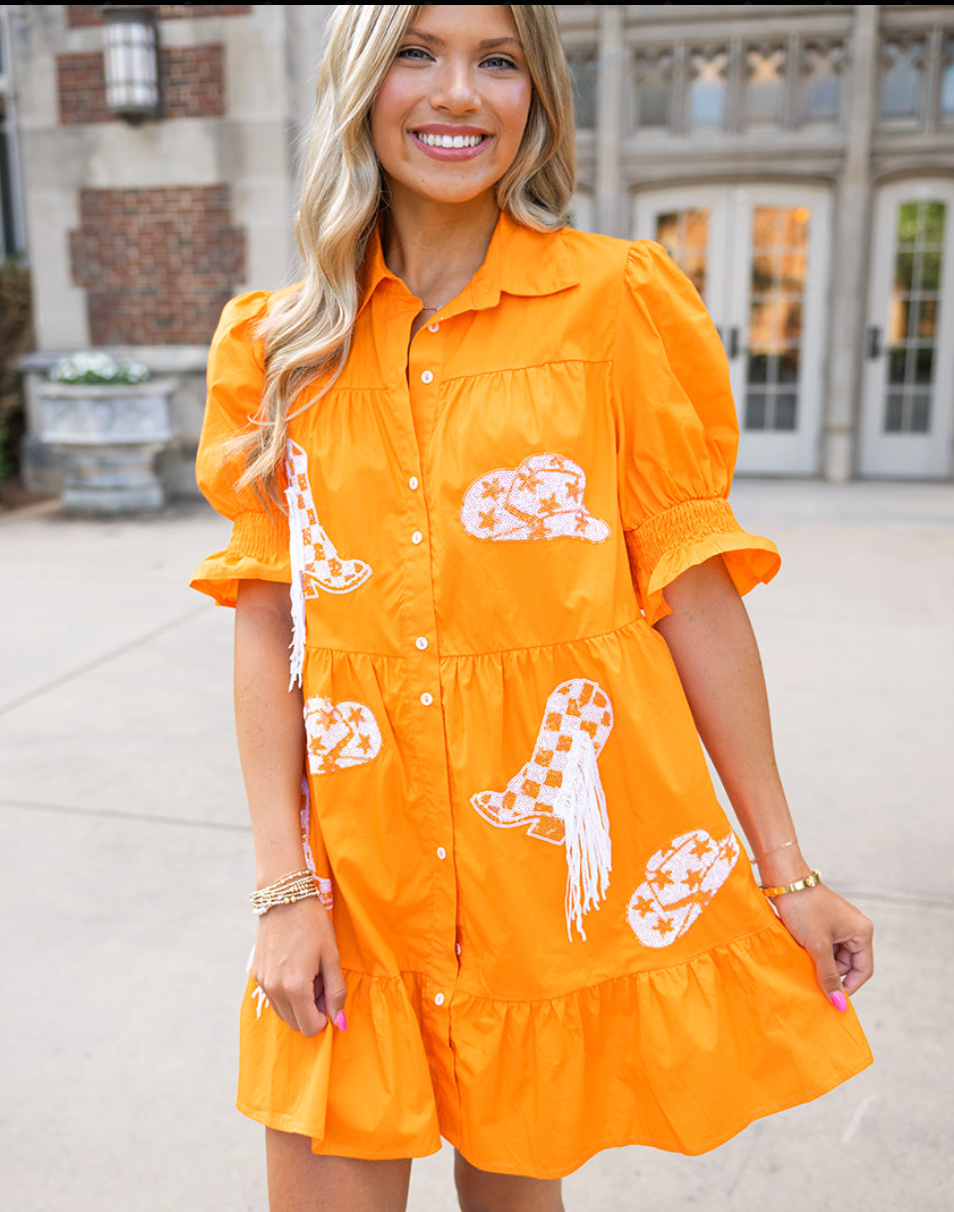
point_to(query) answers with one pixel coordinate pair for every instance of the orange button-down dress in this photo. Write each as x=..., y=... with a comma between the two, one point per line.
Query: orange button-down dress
x=551, y=936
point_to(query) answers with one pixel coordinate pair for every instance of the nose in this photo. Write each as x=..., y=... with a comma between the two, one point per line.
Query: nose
x=455, y=88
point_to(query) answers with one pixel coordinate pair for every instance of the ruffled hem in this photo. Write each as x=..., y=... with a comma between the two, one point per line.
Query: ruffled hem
x=689, y=534
x=679, y=1058
x=257, y=551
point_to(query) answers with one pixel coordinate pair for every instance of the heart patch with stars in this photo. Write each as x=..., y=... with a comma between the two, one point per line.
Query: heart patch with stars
x=340, y=735
x=681, y=880
x=540, y=499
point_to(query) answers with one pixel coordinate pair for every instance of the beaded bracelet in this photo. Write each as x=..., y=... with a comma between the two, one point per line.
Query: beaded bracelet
x=810, y=880
x=290, y=888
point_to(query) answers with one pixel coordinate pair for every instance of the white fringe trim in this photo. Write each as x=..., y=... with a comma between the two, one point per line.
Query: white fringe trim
x=296, y=551
x=581, y=805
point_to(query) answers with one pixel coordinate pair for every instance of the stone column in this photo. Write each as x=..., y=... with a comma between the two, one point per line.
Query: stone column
x=610, y=206
x=850, y=262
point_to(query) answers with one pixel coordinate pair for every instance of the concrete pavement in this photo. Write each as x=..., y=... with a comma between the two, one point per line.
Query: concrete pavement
x=125, y=861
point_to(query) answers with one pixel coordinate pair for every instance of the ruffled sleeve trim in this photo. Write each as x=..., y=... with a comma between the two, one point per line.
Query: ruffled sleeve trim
x=690, y=533
x=257, y=551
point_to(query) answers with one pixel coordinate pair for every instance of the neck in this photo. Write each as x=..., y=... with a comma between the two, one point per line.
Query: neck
x=435, y=248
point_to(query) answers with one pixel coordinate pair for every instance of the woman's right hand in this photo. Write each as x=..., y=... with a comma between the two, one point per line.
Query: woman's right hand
x=296, y=962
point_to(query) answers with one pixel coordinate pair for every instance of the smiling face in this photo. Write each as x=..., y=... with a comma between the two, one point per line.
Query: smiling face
x=448, y=120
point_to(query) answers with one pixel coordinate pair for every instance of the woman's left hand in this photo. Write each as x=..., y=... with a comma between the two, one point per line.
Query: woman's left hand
x=834, y=933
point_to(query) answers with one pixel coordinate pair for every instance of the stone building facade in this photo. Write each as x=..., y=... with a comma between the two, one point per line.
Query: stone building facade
x=796, y=160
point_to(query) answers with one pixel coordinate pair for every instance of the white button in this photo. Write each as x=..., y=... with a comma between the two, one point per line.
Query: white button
x=441, y=852
x=427, y=376
x=439, y=1000
x=433, y=327
x=416, y=537
x=413, y=483
x=421, y=642
x=457, y=948
x=427, y=698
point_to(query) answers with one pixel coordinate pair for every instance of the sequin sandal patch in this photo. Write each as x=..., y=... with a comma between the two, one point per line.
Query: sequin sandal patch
x=681, y=880
x=540, y=499
x=558, y=795
x=339, y=735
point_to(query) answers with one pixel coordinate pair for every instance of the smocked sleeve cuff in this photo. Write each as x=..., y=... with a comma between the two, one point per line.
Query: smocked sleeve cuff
x=690, y=533
x=257, y=551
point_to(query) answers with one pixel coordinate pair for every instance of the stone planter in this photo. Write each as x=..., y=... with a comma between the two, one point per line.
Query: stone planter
x=107, y=437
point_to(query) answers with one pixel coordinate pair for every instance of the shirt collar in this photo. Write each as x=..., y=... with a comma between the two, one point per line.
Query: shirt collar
x=519, y=261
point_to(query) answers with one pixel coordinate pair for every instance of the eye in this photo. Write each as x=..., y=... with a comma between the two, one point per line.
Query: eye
x=413, y=54
x=499, y=62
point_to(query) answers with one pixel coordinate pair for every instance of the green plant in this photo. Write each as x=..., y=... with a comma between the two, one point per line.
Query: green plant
x=16, y=337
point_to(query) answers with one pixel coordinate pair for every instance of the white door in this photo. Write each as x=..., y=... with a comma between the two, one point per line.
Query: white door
x=759, y=256
x=906, y=413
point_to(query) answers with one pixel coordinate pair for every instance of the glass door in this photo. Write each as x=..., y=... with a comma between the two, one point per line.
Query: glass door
x=906, y=422
x=759, y=257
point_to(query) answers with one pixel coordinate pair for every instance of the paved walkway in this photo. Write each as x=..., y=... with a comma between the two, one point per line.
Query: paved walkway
x=125, y=860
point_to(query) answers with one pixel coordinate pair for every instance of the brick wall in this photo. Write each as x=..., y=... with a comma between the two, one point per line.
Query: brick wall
x=79, y=15
x=191, y=83
x=158, y=265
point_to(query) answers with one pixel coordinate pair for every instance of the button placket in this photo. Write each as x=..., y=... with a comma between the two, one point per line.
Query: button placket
x=423, y=386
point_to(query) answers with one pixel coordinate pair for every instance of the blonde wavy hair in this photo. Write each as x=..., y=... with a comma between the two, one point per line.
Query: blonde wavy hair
x=307, y=332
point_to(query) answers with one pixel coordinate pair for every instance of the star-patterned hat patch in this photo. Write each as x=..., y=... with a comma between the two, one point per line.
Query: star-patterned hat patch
x=681, y=880
x=339, y=735
x=540, y=499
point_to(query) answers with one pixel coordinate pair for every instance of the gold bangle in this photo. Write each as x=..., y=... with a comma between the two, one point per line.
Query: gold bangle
x=810, y=880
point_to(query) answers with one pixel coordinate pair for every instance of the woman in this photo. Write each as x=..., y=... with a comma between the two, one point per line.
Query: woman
x=504, y=448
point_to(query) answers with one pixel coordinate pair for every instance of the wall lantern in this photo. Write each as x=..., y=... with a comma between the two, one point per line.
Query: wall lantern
x=132, y=61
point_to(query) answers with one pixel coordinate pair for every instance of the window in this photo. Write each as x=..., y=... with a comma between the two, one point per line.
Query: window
x=584, y=71
x=765, y=85
x=708, y=71
x=902, y=64
x=913, y=316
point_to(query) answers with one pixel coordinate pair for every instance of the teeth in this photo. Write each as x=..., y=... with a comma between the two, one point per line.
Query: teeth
x=450, y=140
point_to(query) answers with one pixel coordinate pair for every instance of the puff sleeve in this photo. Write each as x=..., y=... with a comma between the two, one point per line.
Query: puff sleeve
x=258, y=549
x=678, y=435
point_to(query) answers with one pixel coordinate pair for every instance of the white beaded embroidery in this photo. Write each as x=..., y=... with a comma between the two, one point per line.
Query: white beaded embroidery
x=559, y=795
x=339, y=735
x=540, y=499
x=681, y=880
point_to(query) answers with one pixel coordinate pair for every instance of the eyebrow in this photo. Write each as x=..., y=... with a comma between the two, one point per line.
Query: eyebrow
x=486, y=44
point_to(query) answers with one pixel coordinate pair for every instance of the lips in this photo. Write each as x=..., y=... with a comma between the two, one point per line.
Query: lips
x=450, y=143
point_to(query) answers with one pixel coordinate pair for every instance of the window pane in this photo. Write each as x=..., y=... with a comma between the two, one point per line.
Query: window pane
x=920, y=413
x=947, y=79
x=897, y=366
x=788, y=367
x=707, y=88
x=894, y=413
x=583, y=70
x=785, y=410
x=764, y=86
x=913, y=315
x=821, y=83
x=924, y=366
x=901, y=79
x=754, y=410
x=653, y=72
x=684, y=234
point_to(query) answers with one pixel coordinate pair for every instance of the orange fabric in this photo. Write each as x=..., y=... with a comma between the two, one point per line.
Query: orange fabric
x=552, y=940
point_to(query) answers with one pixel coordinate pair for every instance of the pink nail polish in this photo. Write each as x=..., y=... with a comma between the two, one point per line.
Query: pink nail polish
x=342, y=1023
x=839, y=1001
